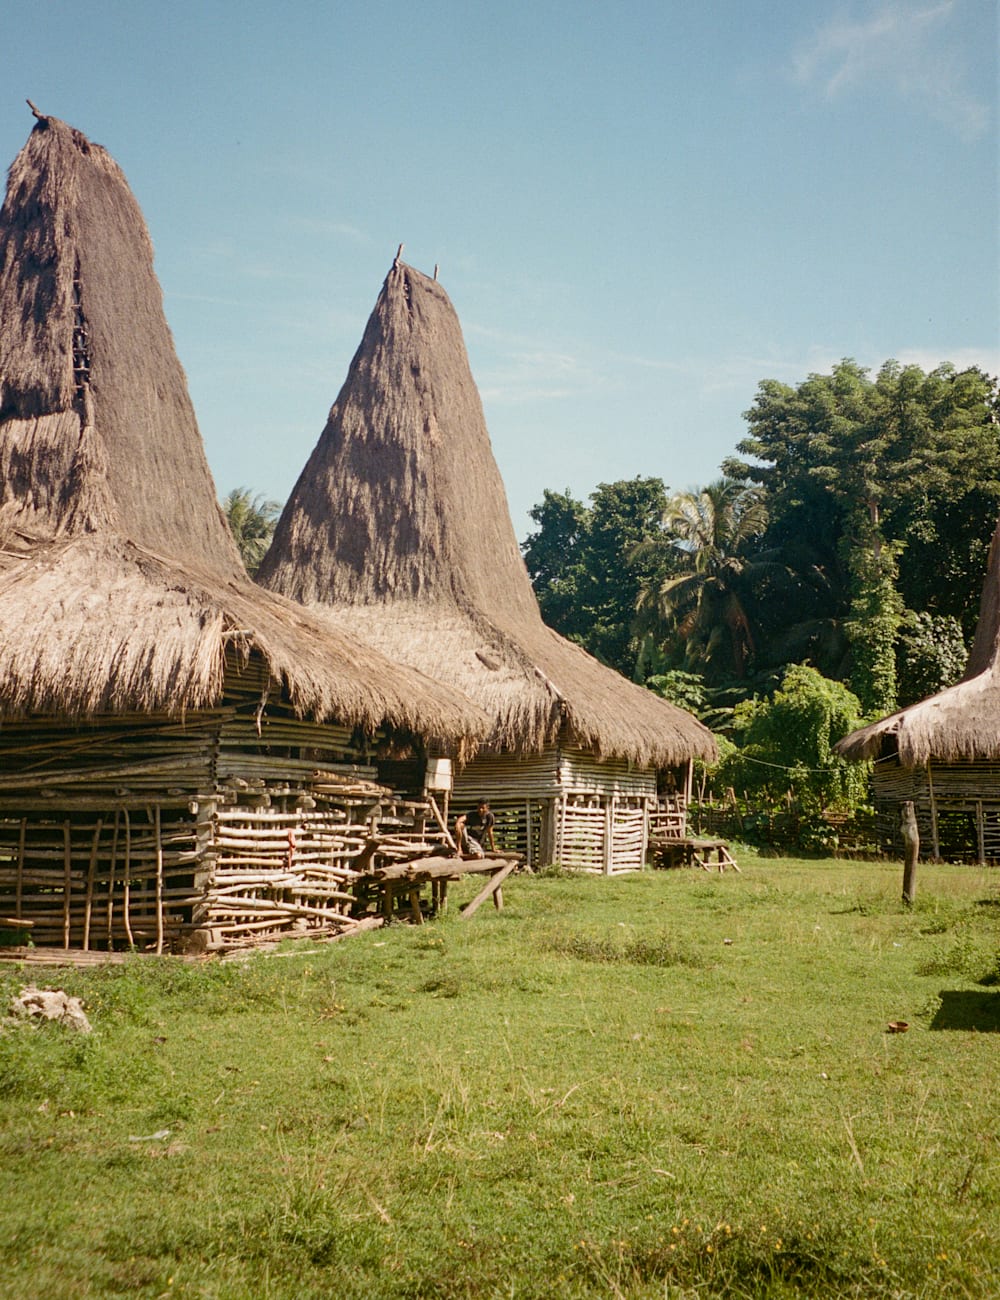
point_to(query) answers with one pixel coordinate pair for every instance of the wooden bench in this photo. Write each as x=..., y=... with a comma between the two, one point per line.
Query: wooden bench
x=694, y=852
x=404, y=881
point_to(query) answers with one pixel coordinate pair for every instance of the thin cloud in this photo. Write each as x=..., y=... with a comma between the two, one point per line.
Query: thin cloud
x=538, y=375
x=909, y=47
x=330, y=229
x=743, y=372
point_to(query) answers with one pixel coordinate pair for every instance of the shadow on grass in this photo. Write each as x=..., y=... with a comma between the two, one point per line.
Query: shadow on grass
x=968, y=1009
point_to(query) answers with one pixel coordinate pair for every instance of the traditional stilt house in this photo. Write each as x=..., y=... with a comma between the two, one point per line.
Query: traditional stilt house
x=182, y=754
x=944, y=752
x=399, y=528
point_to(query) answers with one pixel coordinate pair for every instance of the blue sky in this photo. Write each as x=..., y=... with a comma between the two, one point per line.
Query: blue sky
x=640, y=210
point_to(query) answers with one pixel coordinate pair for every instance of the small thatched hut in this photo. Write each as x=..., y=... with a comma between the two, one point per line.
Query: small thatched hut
x=944, y=752
x=163, y=721
x=399, y=528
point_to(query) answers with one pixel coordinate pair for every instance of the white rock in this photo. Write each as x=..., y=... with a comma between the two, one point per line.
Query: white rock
x=50, y=1004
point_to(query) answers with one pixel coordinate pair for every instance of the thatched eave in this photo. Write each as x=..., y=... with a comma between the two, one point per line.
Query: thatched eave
x=959, y=724
x=100, y=626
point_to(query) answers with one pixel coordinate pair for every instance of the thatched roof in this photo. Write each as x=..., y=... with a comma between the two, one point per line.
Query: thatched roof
x=120, y=450
x=120, y=585
x=960, y=723
x=399, y=527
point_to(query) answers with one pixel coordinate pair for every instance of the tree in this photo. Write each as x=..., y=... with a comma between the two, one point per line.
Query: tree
x=585, y=569
x=931, y=654
x=786, y=742
x=554, y=556
x=251, y=521
x=695, y=595
x=889, y=455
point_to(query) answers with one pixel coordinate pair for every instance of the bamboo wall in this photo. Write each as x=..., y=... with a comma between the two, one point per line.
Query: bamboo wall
x=957, y=807
x=564, y=806
x=154, y=833
x=522, y=793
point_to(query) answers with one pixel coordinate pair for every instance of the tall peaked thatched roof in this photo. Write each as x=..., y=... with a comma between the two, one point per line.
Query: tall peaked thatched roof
x=99, y=428
x=120, y=585
x=399, y=527
x=960, y=723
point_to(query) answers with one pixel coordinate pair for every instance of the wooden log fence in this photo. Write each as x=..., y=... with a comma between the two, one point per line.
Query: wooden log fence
x=153, y=875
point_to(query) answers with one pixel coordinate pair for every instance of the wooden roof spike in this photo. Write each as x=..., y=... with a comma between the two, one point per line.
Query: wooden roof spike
x=41, y=116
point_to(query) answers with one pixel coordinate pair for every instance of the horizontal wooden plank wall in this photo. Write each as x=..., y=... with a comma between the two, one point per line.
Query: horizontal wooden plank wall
x=584, y=813
x=581, y=772
x=957, y=807
x=522, y=794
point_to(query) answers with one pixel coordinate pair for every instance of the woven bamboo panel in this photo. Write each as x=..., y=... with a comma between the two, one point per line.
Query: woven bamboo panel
x=957, y=807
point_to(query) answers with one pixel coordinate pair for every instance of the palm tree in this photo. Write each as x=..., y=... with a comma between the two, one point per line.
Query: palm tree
x=701, y=601
x=251, y=521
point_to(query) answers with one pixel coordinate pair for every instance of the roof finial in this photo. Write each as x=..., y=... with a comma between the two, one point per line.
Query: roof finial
x=399, y=254
x=436, y=269
x=41, y=116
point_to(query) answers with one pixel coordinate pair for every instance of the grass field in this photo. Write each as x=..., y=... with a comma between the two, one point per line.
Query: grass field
x=669, y=1085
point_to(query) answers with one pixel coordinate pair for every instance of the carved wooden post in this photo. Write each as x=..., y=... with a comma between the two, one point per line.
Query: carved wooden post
x=911, y=851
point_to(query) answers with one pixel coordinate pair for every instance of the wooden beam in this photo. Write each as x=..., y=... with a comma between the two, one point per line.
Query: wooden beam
x=492, y=889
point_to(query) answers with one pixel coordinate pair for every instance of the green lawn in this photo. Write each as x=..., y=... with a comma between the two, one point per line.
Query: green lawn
x=670, y=1085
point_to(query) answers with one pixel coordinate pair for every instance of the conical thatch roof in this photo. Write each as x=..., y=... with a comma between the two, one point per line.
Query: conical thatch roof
x=120, y=585
x=960, y=723
x=399, y=527
x=99, y=431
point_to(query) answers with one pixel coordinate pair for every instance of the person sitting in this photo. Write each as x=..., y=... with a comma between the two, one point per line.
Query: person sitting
x=474, y=830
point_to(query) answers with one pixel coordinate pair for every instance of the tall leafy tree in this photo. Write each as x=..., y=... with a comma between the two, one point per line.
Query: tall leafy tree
x=251, y=520
x=583, y=564
x=695, y=596
x=555, y=559
x=888, y=454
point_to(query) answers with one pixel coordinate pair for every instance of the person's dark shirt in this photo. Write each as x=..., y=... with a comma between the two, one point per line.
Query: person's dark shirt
x=478, y=824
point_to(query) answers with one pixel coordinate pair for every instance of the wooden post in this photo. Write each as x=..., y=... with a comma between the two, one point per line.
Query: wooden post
x=91, y=873
x=935, y=843
x=609, y=835
x=688, y=789
x=112, y=868
x=980, y=833
x=127, y=884
x=159, y=880
x=67, y=879
x=19, y=887
x=911, y=851
x=560, y=852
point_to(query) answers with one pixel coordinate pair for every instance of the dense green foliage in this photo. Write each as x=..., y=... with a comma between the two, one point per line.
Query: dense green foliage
x=930, y=655
x=856, y=507
x=661, y=1085
x=904, y=472
x=251, y=521
x=700, y=551
x=873, y=626
x=783, y=768
x=587, y=568
x=786, y=742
